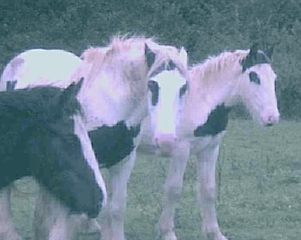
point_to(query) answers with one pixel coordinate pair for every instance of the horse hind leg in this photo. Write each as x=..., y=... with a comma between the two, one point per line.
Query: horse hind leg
x=7, y=229
x=173, y=189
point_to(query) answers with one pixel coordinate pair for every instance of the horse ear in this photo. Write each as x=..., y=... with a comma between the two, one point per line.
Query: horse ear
x=253, y=50
x=184, y=56
x=250, y=58
x=269, y=51
x=150, y=56
x=71, y=91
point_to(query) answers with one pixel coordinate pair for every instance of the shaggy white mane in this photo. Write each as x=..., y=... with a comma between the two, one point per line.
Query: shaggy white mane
x=216, y=64
x=126, y=54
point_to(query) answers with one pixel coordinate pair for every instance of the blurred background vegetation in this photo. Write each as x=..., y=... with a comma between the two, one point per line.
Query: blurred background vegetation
x=204, y=27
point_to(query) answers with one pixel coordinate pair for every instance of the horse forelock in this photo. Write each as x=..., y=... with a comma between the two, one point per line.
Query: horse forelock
x=165, y=54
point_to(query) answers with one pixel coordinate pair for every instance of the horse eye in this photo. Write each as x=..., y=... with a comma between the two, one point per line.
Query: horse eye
x=254, y=77
x=183, y=89
x=154, y=88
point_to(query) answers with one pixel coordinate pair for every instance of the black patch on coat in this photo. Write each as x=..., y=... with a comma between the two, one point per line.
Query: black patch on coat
x=149, y=55
x=37, y=139
x=183, y=90
x=254, y=57
x=216, y=123
x=112, y=144
x=154, y=89
x=254, y=78
x=10, y=85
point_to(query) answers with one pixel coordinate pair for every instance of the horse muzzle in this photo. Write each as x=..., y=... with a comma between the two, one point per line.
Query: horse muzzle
x=270, y=118
x=165, y=143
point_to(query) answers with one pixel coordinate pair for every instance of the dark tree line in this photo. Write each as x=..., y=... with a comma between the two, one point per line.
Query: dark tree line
x=204, y=27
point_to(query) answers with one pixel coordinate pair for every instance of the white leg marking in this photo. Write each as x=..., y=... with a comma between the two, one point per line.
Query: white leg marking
x=173, y=189
x=7, y=229
x=207, y=191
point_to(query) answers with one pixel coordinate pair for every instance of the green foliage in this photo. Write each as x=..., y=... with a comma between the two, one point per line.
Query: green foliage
x=203, y=27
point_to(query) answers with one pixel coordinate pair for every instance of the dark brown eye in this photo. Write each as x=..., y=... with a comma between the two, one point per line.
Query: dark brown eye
x=254, y=77
x=154, y=89
x=183, y=89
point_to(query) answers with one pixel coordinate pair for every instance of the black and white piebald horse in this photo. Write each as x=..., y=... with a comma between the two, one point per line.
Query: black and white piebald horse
x=214, y=87
x=114, y=97
x=43, y=136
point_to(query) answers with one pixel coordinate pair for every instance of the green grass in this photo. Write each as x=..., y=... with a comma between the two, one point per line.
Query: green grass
x=259, y=179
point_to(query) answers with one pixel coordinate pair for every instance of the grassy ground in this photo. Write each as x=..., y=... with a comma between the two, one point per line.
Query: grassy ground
x=259, y=178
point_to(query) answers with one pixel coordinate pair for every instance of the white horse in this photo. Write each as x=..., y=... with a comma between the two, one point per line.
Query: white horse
x=114, y=97
x=215, y=86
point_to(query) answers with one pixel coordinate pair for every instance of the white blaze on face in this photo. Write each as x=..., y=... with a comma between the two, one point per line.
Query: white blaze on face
x=166, y=100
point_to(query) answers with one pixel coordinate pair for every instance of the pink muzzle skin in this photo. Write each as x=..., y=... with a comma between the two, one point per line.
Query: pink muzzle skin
x=165, y=143
x=270, y=119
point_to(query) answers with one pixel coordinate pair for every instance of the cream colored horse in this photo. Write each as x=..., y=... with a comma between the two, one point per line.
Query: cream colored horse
x=215, y=86
x=114, y=97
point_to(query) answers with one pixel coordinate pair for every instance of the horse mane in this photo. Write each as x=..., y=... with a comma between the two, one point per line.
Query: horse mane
x=37, y=104
x=95, y=57
x=125, y=53
x=216, y=64
x=124, y=58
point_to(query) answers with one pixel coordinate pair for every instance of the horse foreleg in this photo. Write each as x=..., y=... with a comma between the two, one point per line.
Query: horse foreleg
x=113, y=213
x=173, y=189
x=7, y=229
x=207, y=191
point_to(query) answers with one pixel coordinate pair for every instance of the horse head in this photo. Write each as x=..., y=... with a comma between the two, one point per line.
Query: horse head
x=258, y=86
x=167, y=85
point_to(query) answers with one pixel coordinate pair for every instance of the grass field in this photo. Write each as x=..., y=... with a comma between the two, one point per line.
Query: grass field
x=259, y=179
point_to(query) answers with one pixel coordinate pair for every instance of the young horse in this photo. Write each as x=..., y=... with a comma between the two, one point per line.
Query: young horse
x=34, y=67
x=115, y=101
x=214, y=88
x=42, y=135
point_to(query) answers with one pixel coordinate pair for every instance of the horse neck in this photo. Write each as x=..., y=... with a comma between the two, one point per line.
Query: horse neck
x=208, y=91
x=116, y=93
